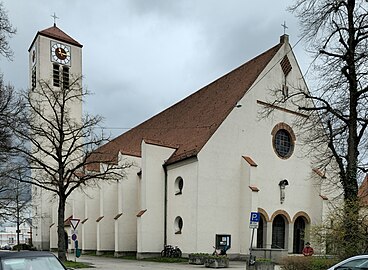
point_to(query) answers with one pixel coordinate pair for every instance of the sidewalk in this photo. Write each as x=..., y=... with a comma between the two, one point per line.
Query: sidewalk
x=118, y=263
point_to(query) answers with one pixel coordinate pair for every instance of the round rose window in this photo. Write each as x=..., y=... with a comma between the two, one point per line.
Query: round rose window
x=283, y=141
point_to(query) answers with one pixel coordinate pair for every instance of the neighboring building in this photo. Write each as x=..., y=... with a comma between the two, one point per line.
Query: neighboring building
x=8, y=234
x=201, y=167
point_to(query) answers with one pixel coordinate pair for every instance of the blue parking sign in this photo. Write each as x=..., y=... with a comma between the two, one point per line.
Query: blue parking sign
x=254, y=217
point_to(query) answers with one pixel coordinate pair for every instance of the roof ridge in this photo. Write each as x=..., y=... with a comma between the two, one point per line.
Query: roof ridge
x=191, y=122
x=56, y=33
x=200, y=89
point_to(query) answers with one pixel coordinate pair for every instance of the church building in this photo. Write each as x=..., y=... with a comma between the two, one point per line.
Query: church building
x=200, y=167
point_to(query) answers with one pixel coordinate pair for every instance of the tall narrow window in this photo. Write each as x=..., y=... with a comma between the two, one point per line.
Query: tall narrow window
x=56, y=75
x=261, y=232
x=65, y=77
x=278, y=232
x=179, y=184
x=299, y=235
x=178, y=224
x=34, y=79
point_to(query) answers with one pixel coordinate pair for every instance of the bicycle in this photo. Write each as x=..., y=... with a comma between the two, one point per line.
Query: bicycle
x=219, y=252
x=171, y=252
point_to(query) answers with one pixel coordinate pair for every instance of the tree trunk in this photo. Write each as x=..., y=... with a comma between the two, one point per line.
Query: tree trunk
x=352, y=237
x=18, y=217
x=61, y=230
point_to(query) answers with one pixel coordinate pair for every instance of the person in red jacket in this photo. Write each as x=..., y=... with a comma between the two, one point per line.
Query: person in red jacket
x=308, y=250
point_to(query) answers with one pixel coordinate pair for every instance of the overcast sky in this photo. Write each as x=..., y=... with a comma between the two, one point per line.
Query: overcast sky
x=142, y=56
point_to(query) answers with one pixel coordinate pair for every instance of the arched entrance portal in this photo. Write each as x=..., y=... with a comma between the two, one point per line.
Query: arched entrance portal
x=278, y=232
x=299, y=234
x=261, y=232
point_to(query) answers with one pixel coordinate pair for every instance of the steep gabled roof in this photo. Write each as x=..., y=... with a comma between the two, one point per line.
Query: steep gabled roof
x=55, y=33
x=190, y=123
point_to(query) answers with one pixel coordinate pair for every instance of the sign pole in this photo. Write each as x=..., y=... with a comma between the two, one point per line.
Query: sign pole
x=74, y=223
x=250, y=249
x=253, y=224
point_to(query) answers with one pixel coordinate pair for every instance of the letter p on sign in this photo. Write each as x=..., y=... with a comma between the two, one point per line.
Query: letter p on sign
x=254, y=216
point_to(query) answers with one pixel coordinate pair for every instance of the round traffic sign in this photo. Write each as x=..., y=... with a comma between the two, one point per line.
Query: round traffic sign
x=74, y=237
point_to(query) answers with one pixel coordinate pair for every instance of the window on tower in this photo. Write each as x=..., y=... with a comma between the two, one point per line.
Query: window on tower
x=56, y=75
x=65, y=77
x=34, y=79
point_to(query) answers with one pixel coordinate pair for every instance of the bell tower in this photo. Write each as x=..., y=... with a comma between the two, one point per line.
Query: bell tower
x=53, y=57
x=55, y=61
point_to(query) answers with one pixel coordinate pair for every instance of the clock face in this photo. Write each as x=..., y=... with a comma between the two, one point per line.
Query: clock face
x=60, y=53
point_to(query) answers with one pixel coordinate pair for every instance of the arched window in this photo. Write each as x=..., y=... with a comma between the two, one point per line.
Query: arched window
x=299, y=234
x=179, y=184
x=278, y=232
x=178, y=225
x=261, y=232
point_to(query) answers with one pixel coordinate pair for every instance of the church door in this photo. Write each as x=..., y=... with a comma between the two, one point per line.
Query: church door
x=299, y=231
x=278, y=232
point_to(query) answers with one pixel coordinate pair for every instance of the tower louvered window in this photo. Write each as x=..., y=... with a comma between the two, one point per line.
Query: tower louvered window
x=285, y=65
x=65, y=77
x=56, y=75
x=286, y=68
x=34, y=79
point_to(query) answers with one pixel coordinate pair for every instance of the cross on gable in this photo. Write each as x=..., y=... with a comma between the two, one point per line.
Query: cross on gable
x=55, y=17
x=285, y=27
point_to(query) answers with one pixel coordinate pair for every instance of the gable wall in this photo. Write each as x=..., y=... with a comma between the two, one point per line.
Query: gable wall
x=243, y=133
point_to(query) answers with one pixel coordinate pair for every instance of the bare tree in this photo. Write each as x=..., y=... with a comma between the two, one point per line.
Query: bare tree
x=336, y=32
x=19, y=199
x=6, y=31
x=10, y=107
x=58, y=145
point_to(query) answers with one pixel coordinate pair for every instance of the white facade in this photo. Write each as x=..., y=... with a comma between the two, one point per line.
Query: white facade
x=195, y=201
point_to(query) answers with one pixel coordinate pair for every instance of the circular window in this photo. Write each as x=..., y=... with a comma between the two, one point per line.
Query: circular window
x=283, y=140
x=178, y=225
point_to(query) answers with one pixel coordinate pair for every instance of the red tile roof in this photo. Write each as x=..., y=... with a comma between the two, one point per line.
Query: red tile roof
x=189, y=124
x=55, y=33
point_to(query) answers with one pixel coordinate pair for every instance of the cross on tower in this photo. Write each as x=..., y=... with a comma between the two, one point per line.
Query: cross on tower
x=285, y=27
x=55, y=17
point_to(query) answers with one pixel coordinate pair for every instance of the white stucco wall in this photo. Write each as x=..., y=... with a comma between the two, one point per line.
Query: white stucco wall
x=41, y=218
x=108, y=209
x=150, y=235
x=128, y=207
x=183, y=205
x=88, y=226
